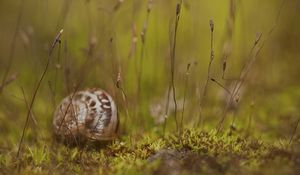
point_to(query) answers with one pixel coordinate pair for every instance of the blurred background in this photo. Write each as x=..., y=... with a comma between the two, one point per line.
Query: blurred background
x=133, y=40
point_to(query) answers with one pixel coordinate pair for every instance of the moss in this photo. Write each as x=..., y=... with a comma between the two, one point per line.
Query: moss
x=193, y=151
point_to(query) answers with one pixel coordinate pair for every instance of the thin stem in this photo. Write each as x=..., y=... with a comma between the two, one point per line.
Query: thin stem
x=12, y=47
x=178, y=9
x=247, y=67
x=211, y=24
x=222, y=86
x=143, y=40
x=57, y=40
x=294, y=132
x=185, y=92
x=31, y=105
x=167, y=110
x=27, y=105
x=124, y=97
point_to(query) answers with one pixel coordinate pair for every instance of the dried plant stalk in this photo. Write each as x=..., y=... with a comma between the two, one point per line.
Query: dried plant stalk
x=212, y=55
x=55, y=42
x=187, y=73
x=12, y=49
x=172, y=83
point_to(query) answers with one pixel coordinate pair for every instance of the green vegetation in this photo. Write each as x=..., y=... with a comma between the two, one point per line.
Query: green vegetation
x=194, y=151
x=202, y=87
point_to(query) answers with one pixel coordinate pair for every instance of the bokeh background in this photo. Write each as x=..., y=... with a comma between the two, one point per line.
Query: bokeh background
x=102, y=38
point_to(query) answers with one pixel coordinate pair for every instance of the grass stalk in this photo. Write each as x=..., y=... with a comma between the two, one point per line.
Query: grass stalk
x=143, y=41
x=172, y=82
x=248, y=65
x=212, y=55
x=294, y=131
x=12, y=47
x=55, y=42
x=124, y=97
x=27, y=105
x=173, y=57
x=187, y=73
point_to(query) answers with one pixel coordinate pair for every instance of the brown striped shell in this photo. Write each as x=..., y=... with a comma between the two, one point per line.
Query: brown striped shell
x=88, y=114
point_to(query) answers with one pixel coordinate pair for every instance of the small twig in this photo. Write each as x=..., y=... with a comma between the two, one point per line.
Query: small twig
x=57, y=39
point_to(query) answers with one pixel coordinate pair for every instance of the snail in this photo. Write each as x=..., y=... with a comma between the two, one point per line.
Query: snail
x=89, y=114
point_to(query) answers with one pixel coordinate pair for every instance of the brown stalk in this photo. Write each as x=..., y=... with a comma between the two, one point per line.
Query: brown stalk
x=167, y=110
x=143, y=40
x=247, y=67
x=12, y=48
x=239, y=83
x=294, y=132
x=219, y=84
x=250, y=117
x=212, y=55
x=187, y=73
x=124, y=97
x=229, y=33
x=56, y=40
x=172, y=82
x=57, y=66
x=27, y=105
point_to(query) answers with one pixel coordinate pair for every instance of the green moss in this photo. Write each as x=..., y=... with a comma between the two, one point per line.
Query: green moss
x=191, y=152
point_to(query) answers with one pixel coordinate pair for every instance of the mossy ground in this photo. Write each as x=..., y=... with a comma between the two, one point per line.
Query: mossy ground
x=105, y=41
x=192, y=152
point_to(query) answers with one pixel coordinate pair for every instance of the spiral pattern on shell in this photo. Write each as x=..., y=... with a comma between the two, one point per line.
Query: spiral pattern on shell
x=88, y=114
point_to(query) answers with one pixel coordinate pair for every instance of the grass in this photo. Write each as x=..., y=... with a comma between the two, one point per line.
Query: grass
x=194, y=151
x=145, y=57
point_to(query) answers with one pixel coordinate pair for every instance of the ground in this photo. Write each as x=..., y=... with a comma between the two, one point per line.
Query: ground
x=192, y=152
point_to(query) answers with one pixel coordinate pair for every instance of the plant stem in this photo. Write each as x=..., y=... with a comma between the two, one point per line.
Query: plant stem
x=56, y=40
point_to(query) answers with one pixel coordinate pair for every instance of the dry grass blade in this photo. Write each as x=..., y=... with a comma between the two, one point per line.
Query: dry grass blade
x=12, y=48
x=227, y=45
x=124, y=97
x=219, y=84
x=56, y=40
x=172, y=83
x=173, y=52
x=247, y=67
x=26, y=102
x=143, y=40
x=187, y=73
x=294, y=131
x=212, y=55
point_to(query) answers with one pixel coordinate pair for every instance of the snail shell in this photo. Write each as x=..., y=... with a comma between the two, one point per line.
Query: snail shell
x=89, y=114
